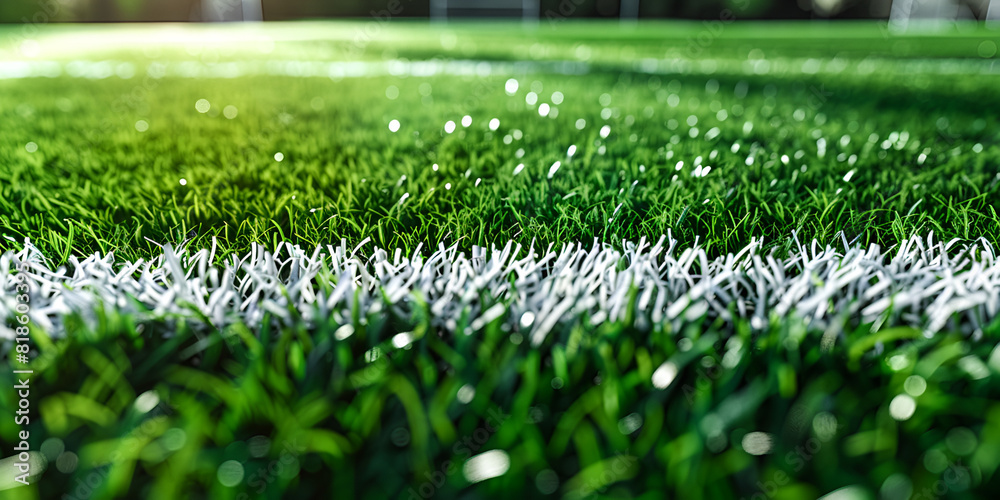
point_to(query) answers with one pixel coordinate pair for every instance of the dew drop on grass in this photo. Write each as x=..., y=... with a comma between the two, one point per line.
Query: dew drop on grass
x=630, y=423
x=685, y=344
x=184, y=182
x=915, y=385
x=31, y=147
x=202, y=105
x=402, y=340
x=447, y=185
x=518, y=168
x=543, y=109
x=146, y=401
x=230, y=473
x=664, y=375
x=824, y=424
x=344, y=331
x=141, y=125
x=580, y=124
x=531, y=98
x=487, y=465
x=557, y=97
x=465, y=394
x=527, y=319
x=511, y=86
x=605, y=132
x=547, y=481
x=449, y=127
x=757, y=443
x=466, y=121
x=394, y=126
x=553, y=169
x=279, y=156
x=494, y=124
x=571, y=151
x=434, y=167
x=230, y=112
x=961, y=441
x=935, y=461
x=902, y=407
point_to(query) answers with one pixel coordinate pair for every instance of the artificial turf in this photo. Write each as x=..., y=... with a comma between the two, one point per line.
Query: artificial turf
x=846, y=132
x=821, y=145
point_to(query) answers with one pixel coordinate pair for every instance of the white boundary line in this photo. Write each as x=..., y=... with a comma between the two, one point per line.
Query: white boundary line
x=923, y=283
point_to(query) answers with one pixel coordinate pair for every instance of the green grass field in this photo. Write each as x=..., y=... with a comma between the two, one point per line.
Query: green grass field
x=97, y=184
x=121, y=140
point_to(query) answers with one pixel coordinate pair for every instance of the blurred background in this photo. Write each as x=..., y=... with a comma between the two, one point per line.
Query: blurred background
x=21, y=11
